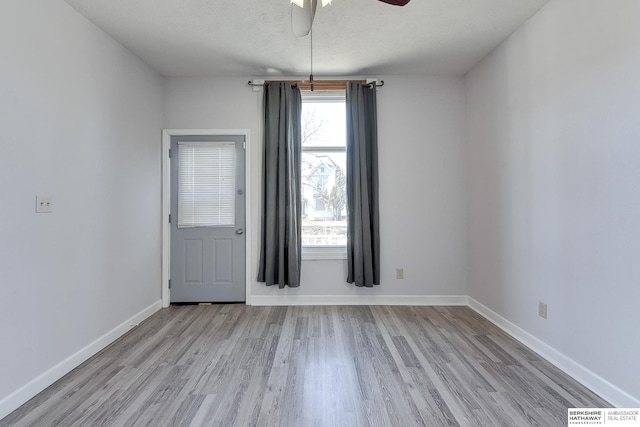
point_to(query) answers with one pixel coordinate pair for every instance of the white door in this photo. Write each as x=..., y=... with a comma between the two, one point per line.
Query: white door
x=207, y=219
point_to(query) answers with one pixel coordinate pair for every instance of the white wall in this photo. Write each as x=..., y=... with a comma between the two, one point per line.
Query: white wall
x=422, y=182
x=80, y=121
x=553, y=147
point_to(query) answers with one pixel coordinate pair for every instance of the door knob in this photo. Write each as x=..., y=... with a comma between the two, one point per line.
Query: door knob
x=239, y=231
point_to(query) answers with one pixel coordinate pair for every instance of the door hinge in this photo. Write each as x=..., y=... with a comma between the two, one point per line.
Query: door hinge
x=169, y=218
x=169, y=152
x=244, y=145
x=169, y=283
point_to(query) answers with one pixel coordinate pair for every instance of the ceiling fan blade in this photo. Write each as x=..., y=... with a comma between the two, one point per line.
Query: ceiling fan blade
x=302, y=17
x=396, y=2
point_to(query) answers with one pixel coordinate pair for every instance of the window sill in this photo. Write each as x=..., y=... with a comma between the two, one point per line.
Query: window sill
x=318, y=253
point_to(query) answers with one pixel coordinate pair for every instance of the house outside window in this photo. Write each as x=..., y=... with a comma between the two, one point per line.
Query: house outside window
x=324, y=198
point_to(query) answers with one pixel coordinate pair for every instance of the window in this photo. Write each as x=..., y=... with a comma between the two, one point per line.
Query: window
x=324, y=197
x=206, y=184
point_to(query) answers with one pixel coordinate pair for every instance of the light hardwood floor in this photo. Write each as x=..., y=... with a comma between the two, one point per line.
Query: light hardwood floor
x=224, y=365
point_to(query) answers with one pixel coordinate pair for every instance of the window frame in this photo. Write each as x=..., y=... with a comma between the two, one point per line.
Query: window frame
x=324, y=252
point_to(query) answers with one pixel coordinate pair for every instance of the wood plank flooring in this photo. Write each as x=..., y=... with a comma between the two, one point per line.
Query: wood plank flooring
x=235, y=365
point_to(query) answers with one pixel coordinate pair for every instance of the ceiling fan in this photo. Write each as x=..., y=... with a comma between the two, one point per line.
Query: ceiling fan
x=304, y=11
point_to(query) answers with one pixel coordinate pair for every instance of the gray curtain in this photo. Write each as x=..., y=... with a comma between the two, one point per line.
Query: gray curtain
x=281, y=245
x=363, y=235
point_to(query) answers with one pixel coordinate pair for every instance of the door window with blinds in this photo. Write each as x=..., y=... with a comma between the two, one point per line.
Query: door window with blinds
x=206, y=184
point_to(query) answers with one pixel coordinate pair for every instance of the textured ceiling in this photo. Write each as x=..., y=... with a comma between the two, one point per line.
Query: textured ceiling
x=350, y=37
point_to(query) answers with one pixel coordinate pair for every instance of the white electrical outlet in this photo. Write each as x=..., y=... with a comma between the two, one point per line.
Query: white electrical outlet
x=399, y=273
x=44, y=204
x=542, y=309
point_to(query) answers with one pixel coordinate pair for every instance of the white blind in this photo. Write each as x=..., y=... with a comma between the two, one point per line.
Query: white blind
x=206, y=184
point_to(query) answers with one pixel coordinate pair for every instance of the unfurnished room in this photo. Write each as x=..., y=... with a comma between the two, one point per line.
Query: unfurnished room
x=320, y=213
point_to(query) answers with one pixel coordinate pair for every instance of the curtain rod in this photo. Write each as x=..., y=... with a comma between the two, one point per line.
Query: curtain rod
x=321, y=84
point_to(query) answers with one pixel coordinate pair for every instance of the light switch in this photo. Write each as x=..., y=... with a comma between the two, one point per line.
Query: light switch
x=44, y=204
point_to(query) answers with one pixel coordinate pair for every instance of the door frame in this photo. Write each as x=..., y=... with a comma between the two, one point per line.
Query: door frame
x=166, y=204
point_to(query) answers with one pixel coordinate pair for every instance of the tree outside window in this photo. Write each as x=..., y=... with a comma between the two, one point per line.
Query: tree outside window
x=323, y=170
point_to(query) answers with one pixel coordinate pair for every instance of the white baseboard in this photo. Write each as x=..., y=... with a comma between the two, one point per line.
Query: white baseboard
x=44, y=380
x=274, y=300
x=614, y=395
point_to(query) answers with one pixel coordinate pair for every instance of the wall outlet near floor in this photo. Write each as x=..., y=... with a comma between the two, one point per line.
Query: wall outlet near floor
x=399, y=273
x=542, y=309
